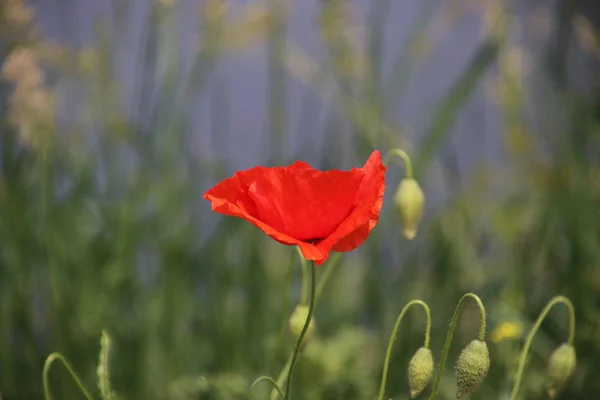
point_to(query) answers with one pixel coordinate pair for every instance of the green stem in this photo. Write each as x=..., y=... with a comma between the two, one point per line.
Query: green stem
x=388, y=353
x=311, y=307
x=533, y=331
x=271, y=381
x=57, y=356
x=450, y=334
x=304, y=267
x=402, y=154
x=329, y=267
x=304, y=300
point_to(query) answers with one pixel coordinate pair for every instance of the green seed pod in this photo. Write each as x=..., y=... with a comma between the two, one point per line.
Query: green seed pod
x=472, y=367
x=560, y=368
x=420, y=370
x=297, y=321
x=409, y=200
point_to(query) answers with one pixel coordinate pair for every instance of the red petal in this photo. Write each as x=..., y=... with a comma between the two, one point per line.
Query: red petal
x=230, y=196
x=299, y=205
x=368, y=201
x=305, y=204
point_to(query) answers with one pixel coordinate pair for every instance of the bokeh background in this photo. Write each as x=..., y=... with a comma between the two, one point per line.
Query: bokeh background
x=116, y=116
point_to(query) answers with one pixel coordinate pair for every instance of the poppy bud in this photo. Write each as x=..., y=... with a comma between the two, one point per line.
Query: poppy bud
x=420, y=370
x=409, y=200
x=472, y=367
x=297, y=321
x=560, y=368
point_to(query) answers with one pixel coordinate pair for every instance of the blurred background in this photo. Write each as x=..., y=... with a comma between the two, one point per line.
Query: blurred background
x=116, y=116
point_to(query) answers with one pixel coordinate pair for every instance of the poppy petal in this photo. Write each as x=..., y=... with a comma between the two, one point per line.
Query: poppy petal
x=319, y=211
x=224, y=207
x=306, y=204
x=355, y=229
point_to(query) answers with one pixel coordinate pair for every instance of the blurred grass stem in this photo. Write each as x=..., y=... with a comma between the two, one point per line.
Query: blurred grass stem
x=286, y=303
x=276, y=84
x=305, y=278
x=329, y=267
x=57, y=356
x=282, y=376
x=270, y=380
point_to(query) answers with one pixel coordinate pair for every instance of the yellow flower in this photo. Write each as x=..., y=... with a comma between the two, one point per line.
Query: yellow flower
x=506, y=331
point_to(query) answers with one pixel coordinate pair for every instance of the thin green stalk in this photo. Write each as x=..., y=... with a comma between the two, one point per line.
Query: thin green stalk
x=271, y=381
x=311, y=307
x=57, y=356
x=450, y=334
x=304, y=299
x=388, y=353
x=329, y=267
x=533, y=331
x=402, y=154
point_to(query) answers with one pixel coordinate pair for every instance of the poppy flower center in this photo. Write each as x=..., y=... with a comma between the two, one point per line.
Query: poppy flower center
x=305, y=204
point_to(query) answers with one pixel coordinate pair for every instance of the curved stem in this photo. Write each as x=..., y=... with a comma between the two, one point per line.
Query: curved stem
x=270, y=380
x=57, y=356
x=329, y=267
x=388, y=353
x=311, y=308
x=402, y=154
x=450, y=334
x=533, y=331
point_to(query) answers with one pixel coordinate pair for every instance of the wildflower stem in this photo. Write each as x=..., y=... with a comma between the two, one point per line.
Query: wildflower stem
x=402, y=154
x=57, y=356
x=533, y=331
x=271, y=382
x=450, y=334
x=311, y=307
x=388, y=353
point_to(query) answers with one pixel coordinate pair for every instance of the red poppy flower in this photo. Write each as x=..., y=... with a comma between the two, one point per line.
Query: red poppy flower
x=319, y=211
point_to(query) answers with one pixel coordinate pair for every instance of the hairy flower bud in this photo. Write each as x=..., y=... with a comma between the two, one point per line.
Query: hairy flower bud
x=297, y=321
x=420, y=370
x=409, y=200
x=472, y=367
x=560, y=368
